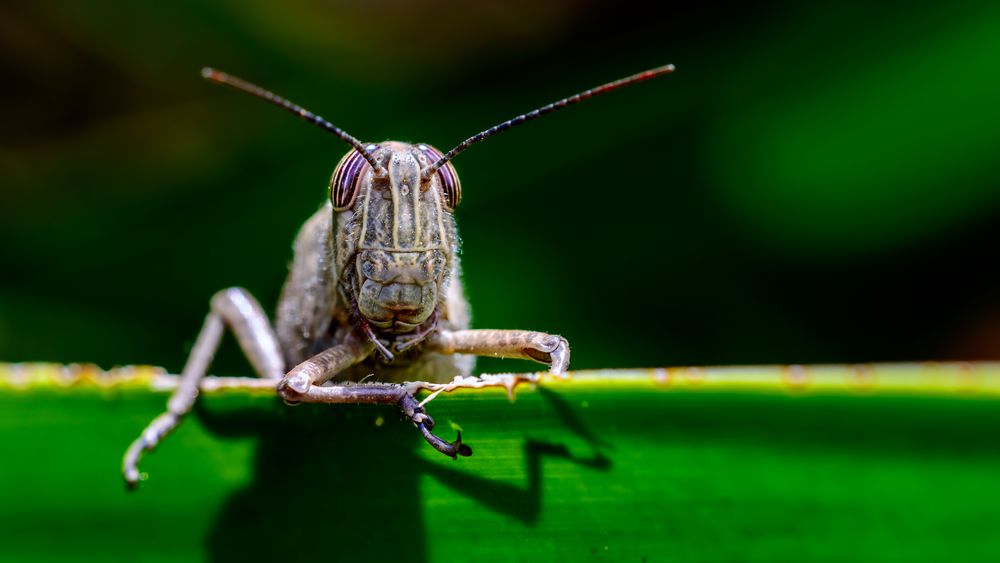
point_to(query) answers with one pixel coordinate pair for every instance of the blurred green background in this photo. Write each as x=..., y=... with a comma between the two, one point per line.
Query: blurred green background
x=816, y=183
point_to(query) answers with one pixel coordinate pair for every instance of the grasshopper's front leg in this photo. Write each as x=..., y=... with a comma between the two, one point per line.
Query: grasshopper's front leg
x=524, y=344
x=304, y=385
x=321, y=367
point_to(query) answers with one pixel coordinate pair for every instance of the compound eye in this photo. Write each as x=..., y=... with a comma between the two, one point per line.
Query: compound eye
x=450, y=186
x=346, y=181
x=451, y=189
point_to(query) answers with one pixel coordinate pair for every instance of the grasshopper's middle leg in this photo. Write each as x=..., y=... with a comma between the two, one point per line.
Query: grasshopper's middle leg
x=233, y=307
x=545, y=348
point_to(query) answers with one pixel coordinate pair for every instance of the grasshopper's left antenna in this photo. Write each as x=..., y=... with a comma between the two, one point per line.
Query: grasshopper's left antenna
x=220, y=77
x=586, y=94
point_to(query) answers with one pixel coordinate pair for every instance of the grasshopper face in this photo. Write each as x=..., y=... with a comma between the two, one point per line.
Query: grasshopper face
x=403, y=233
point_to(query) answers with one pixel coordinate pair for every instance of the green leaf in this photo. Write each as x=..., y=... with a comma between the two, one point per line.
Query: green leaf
x=751, y=464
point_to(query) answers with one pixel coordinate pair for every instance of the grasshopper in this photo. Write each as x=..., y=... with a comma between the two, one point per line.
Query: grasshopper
x=373, y=289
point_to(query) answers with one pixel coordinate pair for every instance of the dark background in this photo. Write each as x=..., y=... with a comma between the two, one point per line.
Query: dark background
x=815, y=183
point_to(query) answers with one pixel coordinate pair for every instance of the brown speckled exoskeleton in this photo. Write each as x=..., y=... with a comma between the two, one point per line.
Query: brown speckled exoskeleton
x=373, y=289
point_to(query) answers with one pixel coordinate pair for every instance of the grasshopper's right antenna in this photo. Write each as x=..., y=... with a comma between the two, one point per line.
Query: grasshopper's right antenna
x=577, y=98
x=220, y=77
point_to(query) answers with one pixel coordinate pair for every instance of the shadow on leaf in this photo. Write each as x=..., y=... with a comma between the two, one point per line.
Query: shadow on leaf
x=344, y=482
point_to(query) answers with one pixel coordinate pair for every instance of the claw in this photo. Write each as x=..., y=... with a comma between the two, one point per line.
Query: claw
x=559, y=362
x=131, y=479
x=425, y=423
x=554, y=351
x=287, y=390
x=450, y=449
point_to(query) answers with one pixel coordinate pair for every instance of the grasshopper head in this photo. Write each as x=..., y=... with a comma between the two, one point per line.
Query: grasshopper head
x=402, y=229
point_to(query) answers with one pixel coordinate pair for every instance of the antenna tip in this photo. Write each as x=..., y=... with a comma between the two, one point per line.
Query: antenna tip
x=665, y=69
x=209, y=73
x=653, y=72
